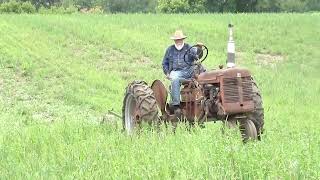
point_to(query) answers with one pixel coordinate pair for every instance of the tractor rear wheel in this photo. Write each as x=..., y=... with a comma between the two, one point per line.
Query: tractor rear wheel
x=257, y=116
x=139, y=105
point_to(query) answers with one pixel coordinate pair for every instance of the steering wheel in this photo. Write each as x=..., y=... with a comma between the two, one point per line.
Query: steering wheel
x=198, y=51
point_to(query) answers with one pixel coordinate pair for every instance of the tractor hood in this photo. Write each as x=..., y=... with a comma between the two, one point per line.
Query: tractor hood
x=213, y=76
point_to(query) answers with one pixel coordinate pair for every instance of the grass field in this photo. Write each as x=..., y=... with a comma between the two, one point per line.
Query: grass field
x=60, y=74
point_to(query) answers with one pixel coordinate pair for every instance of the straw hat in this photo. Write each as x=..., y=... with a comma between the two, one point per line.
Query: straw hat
x=178, y=35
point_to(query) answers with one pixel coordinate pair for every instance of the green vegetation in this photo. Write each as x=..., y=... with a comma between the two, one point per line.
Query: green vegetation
x=164, y=6
x=17, y=7
x=59, y=74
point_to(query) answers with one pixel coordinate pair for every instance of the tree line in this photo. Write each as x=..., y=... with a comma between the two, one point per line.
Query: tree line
x=162, y=6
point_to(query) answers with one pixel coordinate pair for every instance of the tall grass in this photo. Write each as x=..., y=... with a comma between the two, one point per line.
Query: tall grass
x=61, y=73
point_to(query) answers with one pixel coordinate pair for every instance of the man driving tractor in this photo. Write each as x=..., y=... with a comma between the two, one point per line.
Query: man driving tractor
x=226, y=94
x=175, y=68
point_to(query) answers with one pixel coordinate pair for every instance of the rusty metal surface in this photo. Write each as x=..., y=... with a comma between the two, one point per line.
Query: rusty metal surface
x=233, y=108
x=214, y=75
x=161, y=94
x=192, y=110
x=191, y=96
x=237, y=89
x=236, y=94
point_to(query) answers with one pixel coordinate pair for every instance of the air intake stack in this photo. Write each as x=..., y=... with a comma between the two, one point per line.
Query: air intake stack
x=231, y=62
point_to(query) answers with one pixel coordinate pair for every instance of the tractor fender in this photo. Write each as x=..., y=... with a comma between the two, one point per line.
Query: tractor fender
x=161, y=95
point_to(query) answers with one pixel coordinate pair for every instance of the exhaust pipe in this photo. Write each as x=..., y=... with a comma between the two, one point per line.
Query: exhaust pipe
x=231, y=62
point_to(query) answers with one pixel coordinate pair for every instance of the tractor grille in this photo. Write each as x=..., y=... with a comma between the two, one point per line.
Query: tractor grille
x=231, y=89
x=247, y=89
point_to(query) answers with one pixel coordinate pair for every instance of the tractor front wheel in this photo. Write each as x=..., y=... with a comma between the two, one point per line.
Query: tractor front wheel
x=139, y=105
x=248, y=130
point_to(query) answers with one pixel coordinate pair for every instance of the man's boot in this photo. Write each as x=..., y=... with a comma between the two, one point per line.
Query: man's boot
x=177, y=112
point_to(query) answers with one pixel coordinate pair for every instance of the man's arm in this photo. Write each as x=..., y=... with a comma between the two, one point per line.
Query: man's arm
x=165, y=63
x=194, y=52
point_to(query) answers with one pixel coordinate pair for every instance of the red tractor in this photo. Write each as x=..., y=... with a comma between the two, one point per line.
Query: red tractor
x=226, y=94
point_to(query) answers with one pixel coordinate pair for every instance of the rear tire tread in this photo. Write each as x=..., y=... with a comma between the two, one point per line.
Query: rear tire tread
x=146, y=102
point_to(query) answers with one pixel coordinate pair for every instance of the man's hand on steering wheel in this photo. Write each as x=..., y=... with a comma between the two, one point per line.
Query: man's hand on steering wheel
x=196, y=52
x=200, y=44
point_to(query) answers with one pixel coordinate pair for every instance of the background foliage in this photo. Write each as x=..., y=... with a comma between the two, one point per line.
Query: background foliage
x=165, y=6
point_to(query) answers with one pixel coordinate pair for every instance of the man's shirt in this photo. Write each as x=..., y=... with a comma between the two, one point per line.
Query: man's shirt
x=173, y=59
